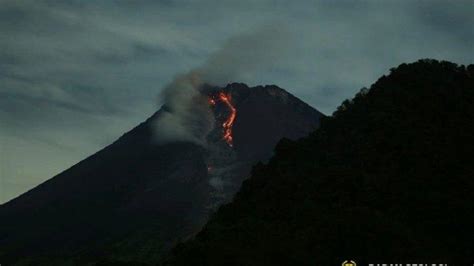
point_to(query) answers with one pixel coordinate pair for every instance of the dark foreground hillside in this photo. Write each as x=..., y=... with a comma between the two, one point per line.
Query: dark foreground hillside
x=388, y=178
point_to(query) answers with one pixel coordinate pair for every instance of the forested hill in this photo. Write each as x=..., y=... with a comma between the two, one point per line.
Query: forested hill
x=388, y=178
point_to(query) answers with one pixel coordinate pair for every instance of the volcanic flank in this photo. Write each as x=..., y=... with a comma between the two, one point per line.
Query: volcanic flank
x=135, y=198
x=388, y=177
x=229, y=122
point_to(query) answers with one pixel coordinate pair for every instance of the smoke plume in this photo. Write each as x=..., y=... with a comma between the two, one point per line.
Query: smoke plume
x=186, y=114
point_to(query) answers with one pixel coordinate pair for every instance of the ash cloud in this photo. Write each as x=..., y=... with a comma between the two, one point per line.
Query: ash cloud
x=186, y=114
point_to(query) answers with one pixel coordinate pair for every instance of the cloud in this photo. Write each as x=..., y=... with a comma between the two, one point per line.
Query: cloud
x=186, y=115
x=244, y=56
x=90, y=70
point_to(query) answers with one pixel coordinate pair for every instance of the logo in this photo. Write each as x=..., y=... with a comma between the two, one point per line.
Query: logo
x=349, y=263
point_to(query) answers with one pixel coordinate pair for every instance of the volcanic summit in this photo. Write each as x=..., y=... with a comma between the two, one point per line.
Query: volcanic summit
x=133, y=200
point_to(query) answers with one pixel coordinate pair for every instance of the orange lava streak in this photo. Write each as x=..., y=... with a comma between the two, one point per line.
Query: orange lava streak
x=227, y=125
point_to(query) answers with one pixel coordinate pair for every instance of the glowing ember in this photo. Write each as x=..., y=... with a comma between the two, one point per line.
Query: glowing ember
x=212, y=101
x=227, y=125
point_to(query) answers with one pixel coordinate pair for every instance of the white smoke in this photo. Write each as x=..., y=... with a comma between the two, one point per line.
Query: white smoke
x=187, y=116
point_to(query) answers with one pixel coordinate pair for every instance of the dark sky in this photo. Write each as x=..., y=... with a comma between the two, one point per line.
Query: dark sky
x=74, y=76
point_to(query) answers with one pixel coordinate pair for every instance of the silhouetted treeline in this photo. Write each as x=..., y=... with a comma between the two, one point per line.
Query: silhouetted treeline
x=388, y=178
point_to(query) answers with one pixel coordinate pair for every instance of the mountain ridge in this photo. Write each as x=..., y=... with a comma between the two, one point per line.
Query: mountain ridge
x=386, y=179
x=133, y=199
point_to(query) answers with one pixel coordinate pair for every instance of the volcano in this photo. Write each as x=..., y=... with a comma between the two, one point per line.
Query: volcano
x=134, y=199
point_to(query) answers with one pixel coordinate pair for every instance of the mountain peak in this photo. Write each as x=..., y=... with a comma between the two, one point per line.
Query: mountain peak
x=263, y=115
x=387, y=178
x=139, y=190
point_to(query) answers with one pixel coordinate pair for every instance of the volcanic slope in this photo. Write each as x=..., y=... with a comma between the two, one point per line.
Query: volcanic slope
x=388, y=178
x=135, y=198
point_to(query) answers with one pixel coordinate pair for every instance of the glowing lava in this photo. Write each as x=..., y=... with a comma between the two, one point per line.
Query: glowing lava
x=227, y=125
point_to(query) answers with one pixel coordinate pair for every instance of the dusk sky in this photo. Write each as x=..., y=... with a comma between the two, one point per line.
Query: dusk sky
x=76, y=75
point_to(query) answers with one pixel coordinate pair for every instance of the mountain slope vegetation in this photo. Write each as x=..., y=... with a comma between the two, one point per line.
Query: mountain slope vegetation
x=389, y=177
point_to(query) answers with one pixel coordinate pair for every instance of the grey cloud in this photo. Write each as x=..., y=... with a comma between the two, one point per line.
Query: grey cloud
x=246, y=55
x=186, y=116
x=80, y=73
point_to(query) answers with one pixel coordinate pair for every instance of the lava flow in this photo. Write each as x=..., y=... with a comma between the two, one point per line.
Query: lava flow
x=227, y=125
